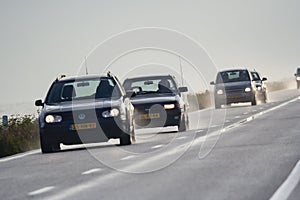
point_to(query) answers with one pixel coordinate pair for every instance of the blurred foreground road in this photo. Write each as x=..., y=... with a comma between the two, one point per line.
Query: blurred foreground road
x=238, y=152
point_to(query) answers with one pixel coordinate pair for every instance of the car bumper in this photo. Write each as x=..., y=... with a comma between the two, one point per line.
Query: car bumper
x=102, y=132
x=234, y=98
x=160, y=119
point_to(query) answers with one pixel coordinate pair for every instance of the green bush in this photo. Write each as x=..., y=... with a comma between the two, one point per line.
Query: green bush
x=20, y=135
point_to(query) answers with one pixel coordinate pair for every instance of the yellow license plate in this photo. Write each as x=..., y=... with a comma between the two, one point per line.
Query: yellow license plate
x=83, y=126
x=150, y=116
x=235, y=96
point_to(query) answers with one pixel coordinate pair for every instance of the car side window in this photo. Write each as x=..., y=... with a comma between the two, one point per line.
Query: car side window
x=255, y=76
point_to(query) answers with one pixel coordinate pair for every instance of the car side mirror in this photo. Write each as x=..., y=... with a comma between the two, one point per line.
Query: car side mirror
x=39, y=103
x=212, y=83
x=264, y=79
x=183, y=89
x=130, y=93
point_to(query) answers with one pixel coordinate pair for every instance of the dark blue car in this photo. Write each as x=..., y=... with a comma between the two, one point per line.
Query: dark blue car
x=158, y=102
x=234, y=86
x=85, y=109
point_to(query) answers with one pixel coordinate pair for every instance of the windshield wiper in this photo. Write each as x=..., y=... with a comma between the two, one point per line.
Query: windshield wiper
x=146, y=92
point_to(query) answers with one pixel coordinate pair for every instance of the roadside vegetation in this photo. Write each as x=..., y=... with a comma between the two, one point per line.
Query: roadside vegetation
x=20, y=135
x=281, y=85
x=200, y=100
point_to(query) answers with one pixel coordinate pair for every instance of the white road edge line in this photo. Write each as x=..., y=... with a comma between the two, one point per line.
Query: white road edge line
x=128, y=157
x=21, y=155
x=41, y=191
x=157, y=146
x=91, y=171
x=287, y=187
x=182, y=137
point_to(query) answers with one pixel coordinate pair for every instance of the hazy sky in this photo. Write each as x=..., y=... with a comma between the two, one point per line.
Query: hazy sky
x=42, y=39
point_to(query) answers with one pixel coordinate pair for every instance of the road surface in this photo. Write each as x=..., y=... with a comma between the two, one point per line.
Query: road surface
x=238, y=152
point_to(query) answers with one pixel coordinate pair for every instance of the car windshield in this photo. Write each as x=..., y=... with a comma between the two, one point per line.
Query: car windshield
x=83, y=89
x=232, y=76
x=150, y=85
x=298, y=71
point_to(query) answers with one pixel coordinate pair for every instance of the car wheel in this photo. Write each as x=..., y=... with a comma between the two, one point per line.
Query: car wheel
x=48, y=147
x=184, y=124
x=217, y=105
x=264, y=100
x=253, y=102
x=125, y=137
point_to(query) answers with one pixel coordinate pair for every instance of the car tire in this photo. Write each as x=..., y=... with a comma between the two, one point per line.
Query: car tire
x=184, y=124
x=125, y=139
x=264, y=100
x=48, y=147
x=217, y=105
x=253, y=102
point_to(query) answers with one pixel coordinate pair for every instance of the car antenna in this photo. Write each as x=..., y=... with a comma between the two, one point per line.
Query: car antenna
x=60, y=77
x=86, y=68
x=181, y=71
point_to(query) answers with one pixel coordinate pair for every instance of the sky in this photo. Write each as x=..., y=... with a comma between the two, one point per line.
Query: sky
x=42, y=39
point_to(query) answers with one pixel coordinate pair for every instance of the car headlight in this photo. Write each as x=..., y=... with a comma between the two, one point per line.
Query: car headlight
x=53, y=119
x=220, y=92
x=259, y=88
x=247, y=89
x=111, y=113
x=298, y=78
x=169, y=106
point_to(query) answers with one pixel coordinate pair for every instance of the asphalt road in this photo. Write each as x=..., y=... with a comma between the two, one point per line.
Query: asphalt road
x=237, y=152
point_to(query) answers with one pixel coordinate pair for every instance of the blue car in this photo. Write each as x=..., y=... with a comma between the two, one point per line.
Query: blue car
x=234, y=86
x=158, y=102
x=85, y=109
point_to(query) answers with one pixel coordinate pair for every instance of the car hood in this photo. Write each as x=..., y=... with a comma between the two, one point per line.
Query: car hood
x=82, y=105
x=234, y=85
x=154, y=98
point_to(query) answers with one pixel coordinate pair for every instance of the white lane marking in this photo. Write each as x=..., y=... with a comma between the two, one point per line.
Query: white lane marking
x=287, y=187
x=91, y=171
x=157, y=146
x=199, y=131
x=41, y=191
x=182, y=137
x=128, y=157
x=249, y=119
x=71, y=192
x=21, y=155
x=237, y=117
